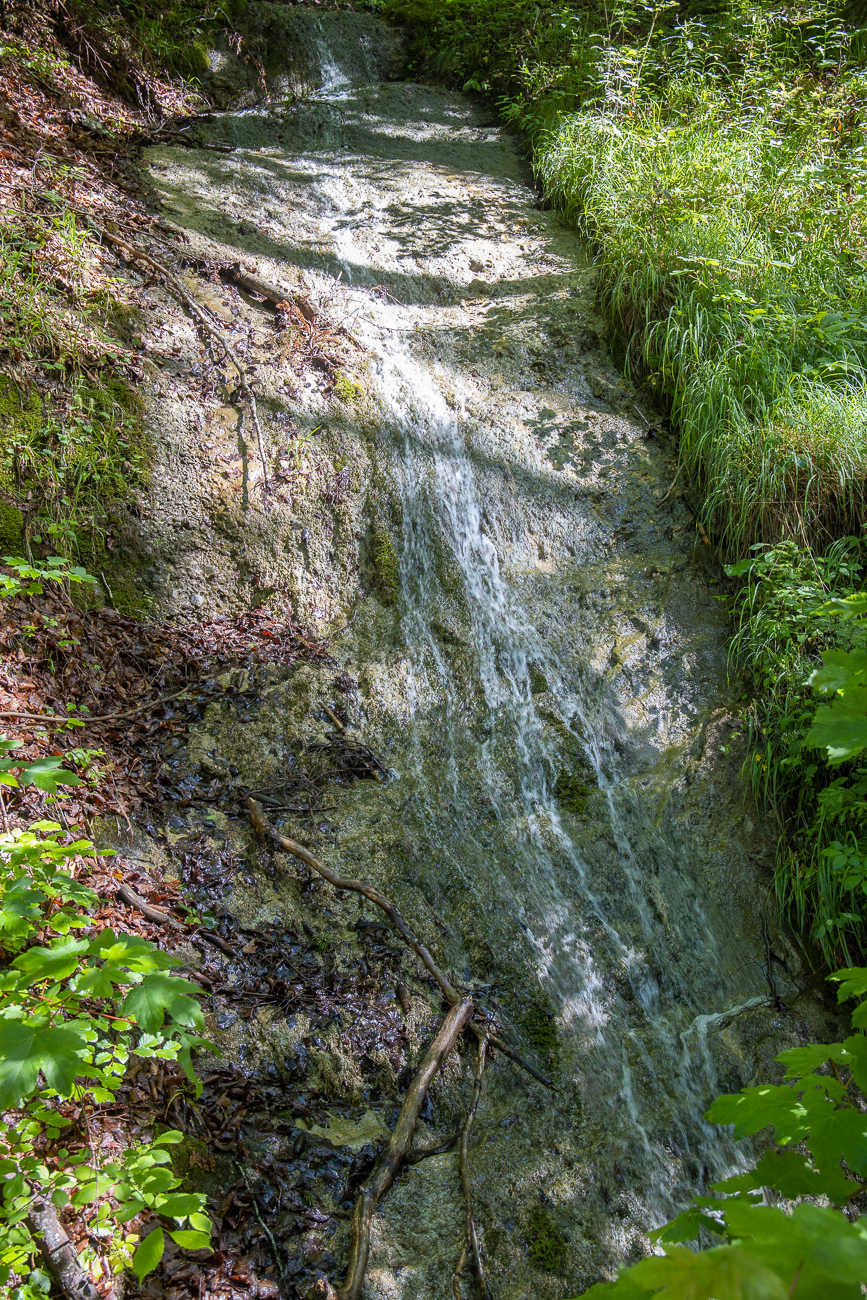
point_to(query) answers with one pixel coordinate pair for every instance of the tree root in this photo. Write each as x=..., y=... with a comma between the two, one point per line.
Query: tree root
x=393, y=1155
x=58, y=1253
x=471, y=1238
x=263, y=827
x=132, y=253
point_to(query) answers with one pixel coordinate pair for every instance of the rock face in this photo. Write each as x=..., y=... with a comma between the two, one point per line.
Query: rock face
x=473, y=507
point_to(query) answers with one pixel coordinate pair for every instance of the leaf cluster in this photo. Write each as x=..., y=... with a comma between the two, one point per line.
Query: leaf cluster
x=75, y=1008
x=799, y=1250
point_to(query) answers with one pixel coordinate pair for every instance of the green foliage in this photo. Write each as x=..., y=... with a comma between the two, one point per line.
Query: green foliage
x=798, y=1251
x=74, y=1011
x=790, y=637
x=27, y=577
x=717, y=162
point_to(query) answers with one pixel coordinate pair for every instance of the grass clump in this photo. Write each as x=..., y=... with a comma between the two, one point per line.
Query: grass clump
x=717, y=162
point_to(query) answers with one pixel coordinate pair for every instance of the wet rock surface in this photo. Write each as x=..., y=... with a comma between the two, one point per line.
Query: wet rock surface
x=524, y=633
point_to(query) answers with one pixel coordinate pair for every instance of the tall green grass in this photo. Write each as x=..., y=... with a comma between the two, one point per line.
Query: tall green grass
x=732, y=275
x=821, y=868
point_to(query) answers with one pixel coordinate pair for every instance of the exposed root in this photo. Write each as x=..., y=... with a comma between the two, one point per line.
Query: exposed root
x=394, y=1153
x=263, y=827
x=85, y=718
x=132, y=253
x=471, y=1238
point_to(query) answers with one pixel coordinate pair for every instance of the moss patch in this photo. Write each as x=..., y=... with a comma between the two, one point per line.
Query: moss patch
x=547, y=1243
x=346, y=388
x=575, y=783
x=540, y=1029
x=11, y=530
x=386, y=576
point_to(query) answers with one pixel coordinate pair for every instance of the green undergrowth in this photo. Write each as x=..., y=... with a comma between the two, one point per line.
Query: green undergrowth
x=782, y=632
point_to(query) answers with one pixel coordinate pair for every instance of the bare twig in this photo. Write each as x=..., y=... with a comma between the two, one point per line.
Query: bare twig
x=471, y=1239
x=334, y=718
x=663, y=500
x=394, y=1153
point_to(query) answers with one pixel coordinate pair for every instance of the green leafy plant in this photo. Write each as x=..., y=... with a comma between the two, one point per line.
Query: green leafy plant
x=74, y=1011
x=27, y=577
x=796, y=1249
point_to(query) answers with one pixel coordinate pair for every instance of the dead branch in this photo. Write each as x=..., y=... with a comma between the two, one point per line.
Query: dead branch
x=58, y=1253
x=390, y=1161
x=155, y=914
x=263, y=827
x=104, y=717
x=273, y=294
x=471, y=1239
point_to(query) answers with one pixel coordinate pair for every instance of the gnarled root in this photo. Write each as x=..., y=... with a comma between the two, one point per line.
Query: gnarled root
x=451, y=994
x=471, y=1239
x=392, y=1157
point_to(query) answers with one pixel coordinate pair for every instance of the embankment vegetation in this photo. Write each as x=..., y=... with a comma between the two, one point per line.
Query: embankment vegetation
x=715, y=156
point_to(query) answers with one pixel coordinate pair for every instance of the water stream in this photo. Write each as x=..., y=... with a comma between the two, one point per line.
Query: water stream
x=550, y=684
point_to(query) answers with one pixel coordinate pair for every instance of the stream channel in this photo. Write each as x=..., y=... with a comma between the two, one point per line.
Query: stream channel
x=531, y=621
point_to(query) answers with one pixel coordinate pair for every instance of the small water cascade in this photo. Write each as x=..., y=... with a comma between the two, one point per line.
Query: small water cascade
x=550, y=683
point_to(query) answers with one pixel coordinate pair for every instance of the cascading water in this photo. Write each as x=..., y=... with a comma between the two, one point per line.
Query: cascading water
x=550, y=681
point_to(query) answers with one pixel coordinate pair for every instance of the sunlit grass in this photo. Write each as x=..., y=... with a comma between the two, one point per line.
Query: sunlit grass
x=732, y=275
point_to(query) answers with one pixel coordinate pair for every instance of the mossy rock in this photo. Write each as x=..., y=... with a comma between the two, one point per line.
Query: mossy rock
x=547, y=1243
x=576, y=782
x=386, y=571
x=11, y=530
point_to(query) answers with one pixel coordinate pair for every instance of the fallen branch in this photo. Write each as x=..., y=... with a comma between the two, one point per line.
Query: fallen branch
x=397, y=1147
x=263, y=827
x=58, y=1253
x=155, y=914
x=159, y=917
x=273, y=294
x=471, y=1238
x=85, y=718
